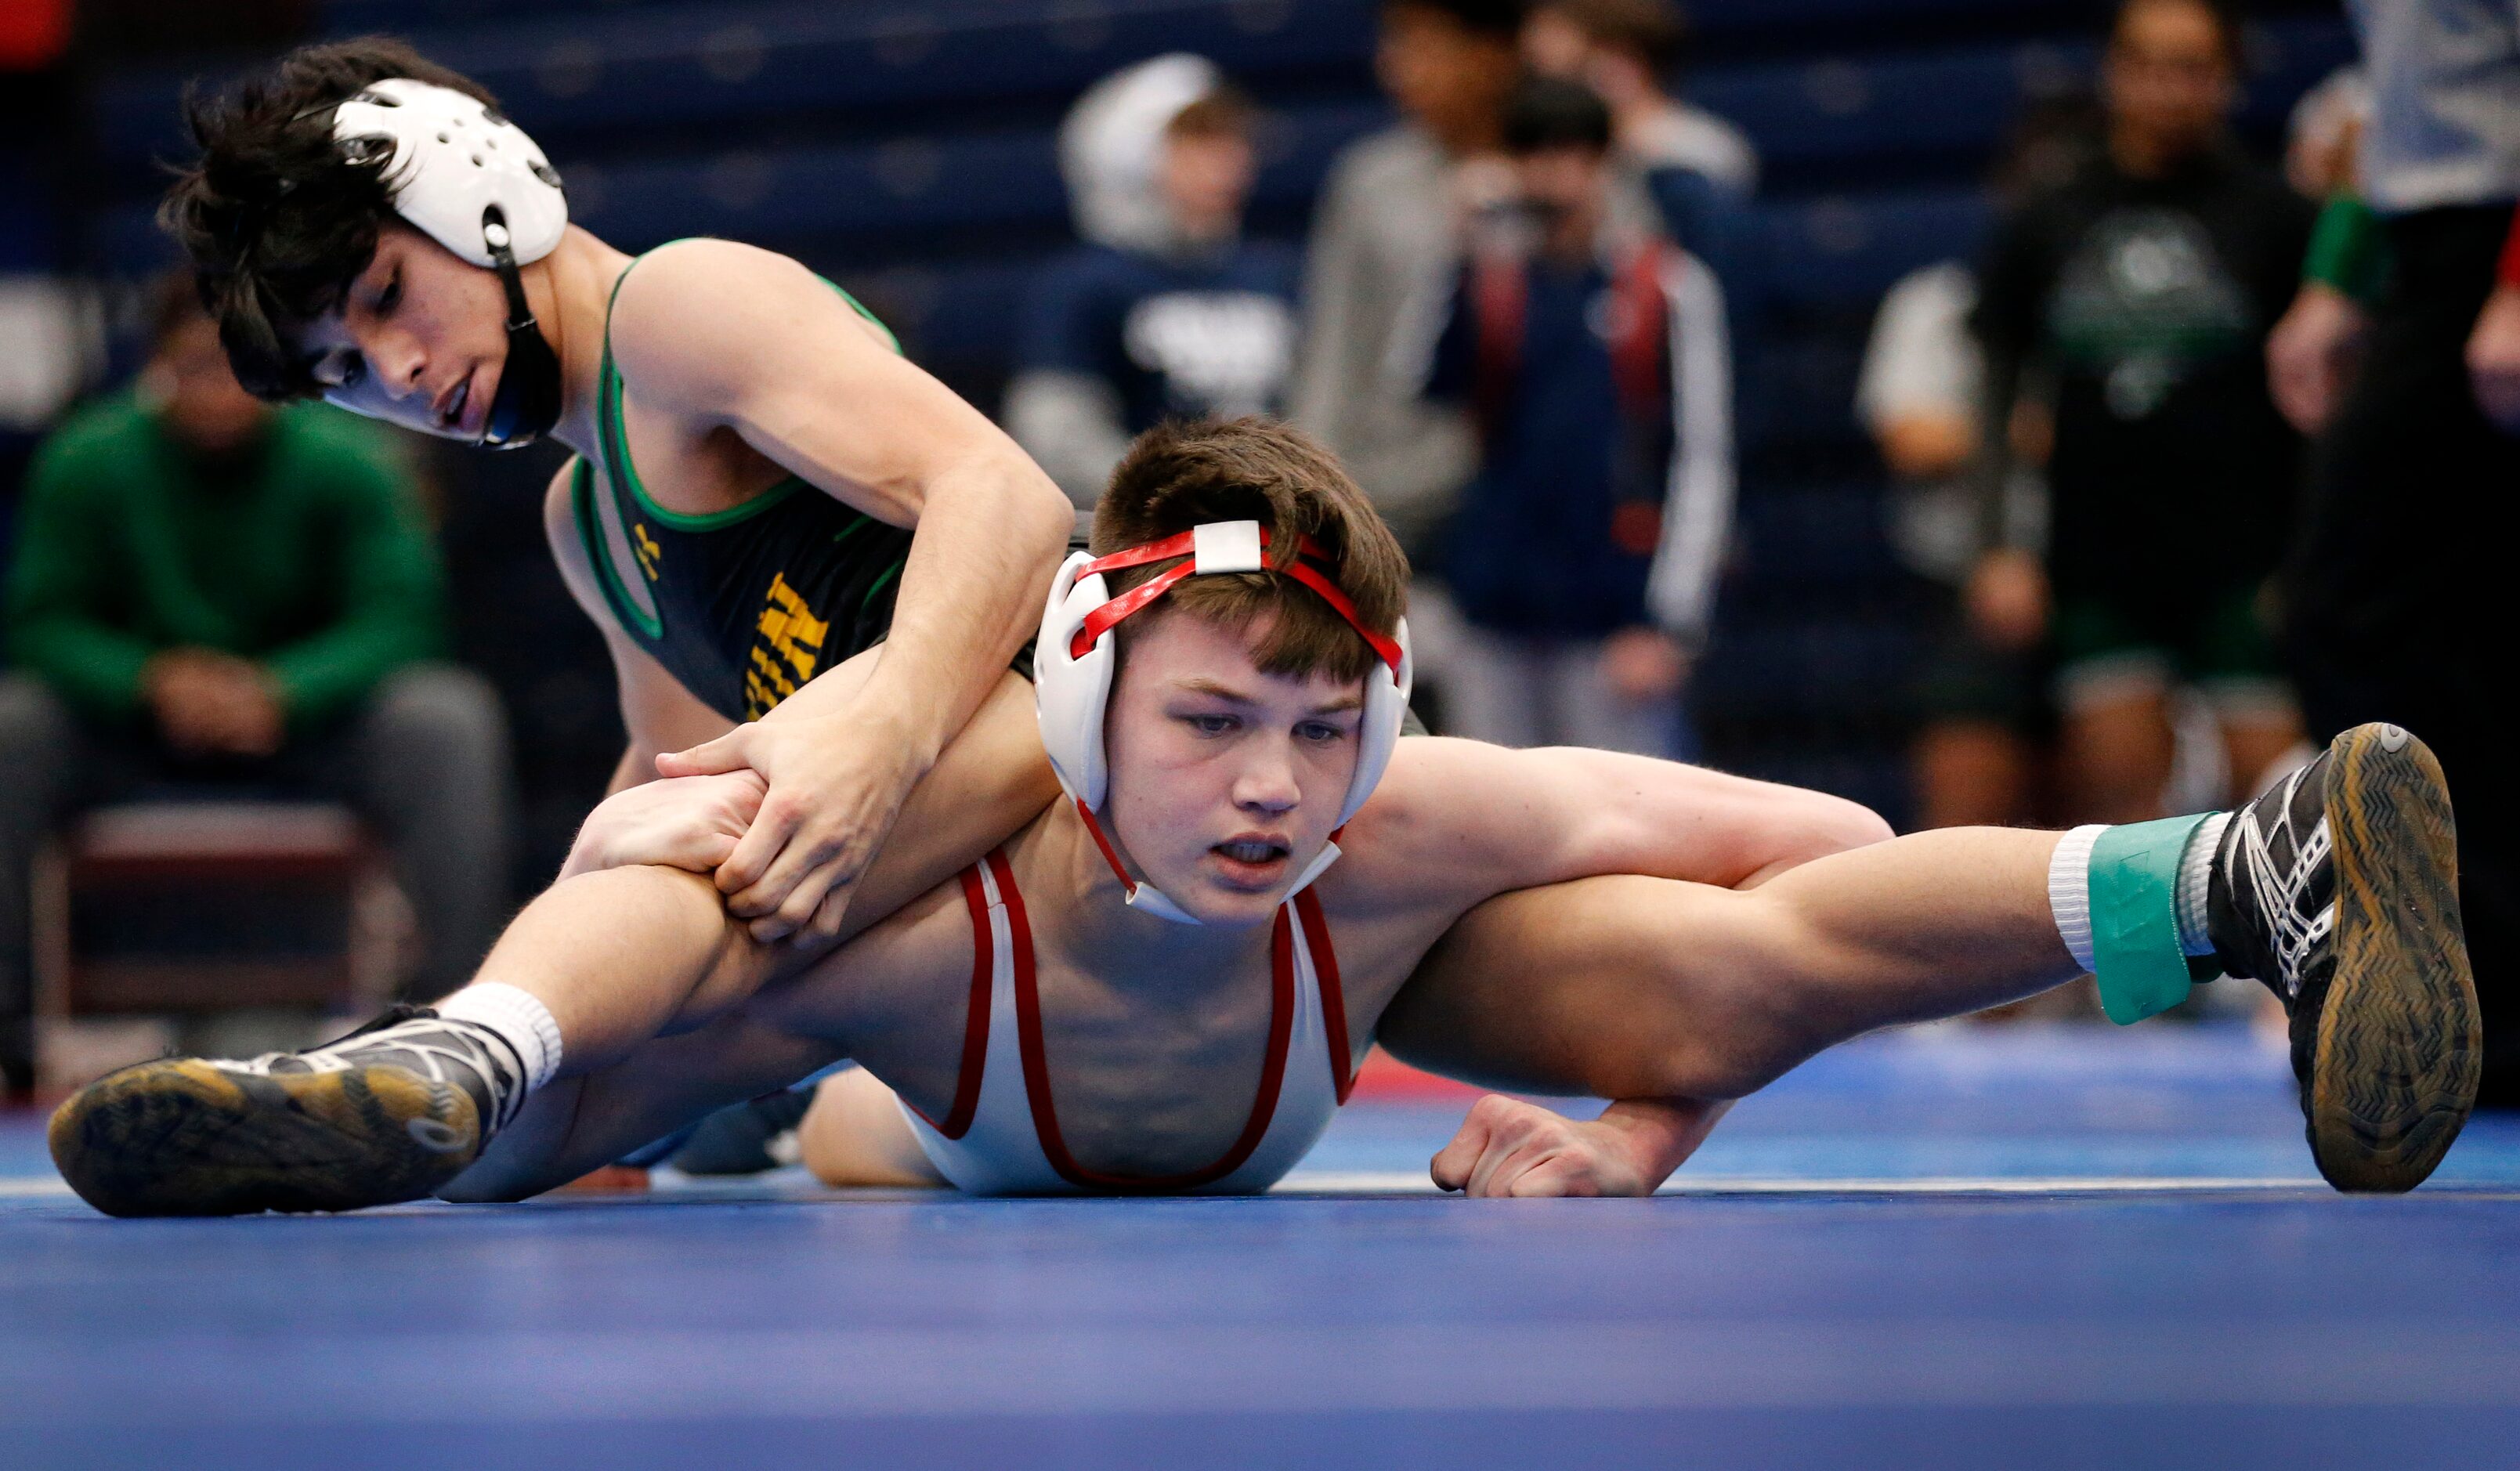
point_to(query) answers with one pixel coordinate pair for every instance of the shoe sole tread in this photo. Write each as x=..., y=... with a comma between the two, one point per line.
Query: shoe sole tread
x=181, y=1138
x=2400, y=1048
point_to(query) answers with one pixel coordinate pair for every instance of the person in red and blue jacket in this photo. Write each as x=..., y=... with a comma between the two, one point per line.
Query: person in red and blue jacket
x=1594, y=359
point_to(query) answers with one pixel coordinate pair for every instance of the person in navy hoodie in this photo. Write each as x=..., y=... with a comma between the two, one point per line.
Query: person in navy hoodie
x=1165, y=311
x=1593, y=358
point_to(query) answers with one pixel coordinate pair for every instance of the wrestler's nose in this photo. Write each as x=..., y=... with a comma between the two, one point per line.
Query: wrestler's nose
x=400, y=362
x=1267, y=782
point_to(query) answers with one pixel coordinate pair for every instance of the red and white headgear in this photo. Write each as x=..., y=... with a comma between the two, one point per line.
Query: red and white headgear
x=1074, y=662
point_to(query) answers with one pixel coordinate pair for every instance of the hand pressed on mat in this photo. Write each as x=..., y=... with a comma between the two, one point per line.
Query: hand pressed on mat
x=1507, y=1147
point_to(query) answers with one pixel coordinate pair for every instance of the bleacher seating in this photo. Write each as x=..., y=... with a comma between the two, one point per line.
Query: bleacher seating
x=906, y=149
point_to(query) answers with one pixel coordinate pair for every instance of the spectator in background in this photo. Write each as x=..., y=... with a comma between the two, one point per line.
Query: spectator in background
x=1986, y=719
x=1165, y=310
x=1386, y=240
x=2145, y=288
x=209, y=589
x=1690, y=167
x=1593, y=360
x=1625, y=51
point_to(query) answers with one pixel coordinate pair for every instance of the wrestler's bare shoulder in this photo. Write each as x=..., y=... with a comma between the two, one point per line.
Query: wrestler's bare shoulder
x=1441, y=830
x=693, y=315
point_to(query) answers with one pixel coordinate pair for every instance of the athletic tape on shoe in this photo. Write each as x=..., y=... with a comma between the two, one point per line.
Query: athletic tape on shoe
x=2143, y=970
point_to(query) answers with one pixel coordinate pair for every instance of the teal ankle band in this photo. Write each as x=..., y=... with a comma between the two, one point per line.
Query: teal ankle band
x=2134, y=917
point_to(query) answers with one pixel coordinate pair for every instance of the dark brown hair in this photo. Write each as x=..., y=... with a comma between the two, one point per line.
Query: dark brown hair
x=1187, y=474
x=277, y=218
x=1225, y=111
x=1654, y=29
x=1496, y=20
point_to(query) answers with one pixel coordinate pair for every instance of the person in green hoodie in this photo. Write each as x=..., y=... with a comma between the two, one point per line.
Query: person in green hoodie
x=209, y=589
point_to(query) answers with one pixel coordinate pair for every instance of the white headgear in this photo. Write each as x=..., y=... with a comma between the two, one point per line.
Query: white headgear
x=1077, y=654
x=475, y=183
x=455, y=158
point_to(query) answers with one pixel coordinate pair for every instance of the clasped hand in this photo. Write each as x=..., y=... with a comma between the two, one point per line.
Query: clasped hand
x=834, y=785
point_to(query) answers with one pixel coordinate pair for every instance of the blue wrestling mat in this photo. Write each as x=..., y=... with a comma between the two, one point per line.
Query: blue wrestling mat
x=1957, y=1247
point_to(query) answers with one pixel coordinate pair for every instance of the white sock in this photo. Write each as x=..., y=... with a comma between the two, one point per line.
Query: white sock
x=2069, y=892
x=2195, y=876
x=520, y=1021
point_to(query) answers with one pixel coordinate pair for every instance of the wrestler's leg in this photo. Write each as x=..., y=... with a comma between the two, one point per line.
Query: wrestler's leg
x=854, y=1135
x=589, y=1120
x=1631, y=987
x=2337, y=889
x=990, y=781
x=594, y=968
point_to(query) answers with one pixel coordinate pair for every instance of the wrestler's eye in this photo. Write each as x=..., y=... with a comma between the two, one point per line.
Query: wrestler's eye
x=1319, y=731
x=341, y=368
x=1211, y=724
x=391, y=297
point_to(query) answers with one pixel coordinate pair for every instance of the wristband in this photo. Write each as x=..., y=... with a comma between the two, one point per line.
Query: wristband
x=2348, y=250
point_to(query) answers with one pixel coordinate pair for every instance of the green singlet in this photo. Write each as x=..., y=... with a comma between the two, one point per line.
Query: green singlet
x=741, y=606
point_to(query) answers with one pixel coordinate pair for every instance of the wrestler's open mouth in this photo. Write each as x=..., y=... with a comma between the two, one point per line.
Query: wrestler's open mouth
x=1252, y=860
x=452, y=414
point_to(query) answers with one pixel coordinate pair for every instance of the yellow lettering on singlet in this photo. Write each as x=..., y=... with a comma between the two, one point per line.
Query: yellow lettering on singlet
x=648, y=552
x=790, y=649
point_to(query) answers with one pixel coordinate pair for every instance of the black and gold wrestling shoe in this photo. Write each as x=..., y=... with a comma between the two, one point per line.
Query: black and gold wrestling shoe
x=2339, y=890
x=388, y=1114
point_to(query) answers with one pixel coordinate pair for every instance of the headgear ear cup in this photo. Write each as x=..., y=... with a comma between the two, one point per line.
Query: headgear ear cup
x=1386, y=710
x=1071, y=692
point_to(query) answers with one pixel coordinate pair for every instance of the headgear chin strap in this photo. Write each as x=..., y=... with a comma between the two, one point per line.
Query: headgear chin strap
x=1077, y=655
x=470, y=180
x=527, y=403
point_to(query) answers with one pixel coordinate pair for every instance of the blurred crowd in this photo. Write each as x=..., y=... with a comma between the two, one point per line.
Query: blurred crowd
x=1518, y=322
x=1519, y=319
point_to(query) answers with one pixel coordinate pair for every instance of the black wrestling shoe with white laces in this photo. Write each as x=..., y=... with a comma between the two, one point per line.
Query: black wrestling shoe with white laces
x=2339, y=890
x=386, y=1114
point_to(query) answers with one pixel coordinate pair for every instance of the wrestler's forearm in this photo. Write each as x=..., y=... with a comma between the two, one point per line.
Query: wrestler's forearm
x=990, y=533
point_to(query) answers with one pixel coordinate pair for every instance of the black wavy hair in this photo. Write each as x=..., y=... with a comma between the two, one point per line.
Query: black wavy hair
x=276, y=218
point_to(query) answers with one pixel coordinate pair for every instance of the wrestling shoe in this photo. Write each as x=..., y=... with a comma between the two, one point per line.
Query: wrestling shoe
x=389, y=1113
x=2339, y=890
x=749, y=1137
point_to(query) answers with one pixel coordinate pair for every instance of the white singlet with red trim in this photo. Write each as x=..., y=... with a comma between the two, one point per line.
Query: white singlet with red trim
x=1002, y=1135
